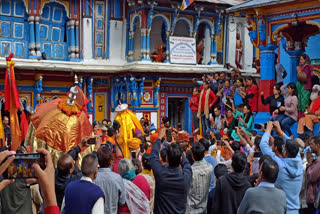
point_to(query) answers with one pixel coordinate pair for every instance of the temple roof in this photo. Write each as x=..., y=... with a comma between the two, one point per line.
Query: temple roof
x=229, y=2
x=256, y=3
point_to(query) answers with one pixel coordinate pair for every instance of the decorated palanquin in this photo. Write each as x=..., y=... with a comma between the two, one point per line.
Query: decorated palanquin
x=60, y=124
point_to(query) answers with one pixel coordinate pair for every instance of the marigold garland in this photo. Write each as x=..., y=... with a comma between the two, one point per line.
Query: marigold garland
x=69, y=109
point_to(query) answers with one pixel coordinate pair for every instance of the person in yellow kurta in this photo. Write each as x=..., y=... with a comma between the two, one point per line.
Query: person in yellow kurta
x=129, y=125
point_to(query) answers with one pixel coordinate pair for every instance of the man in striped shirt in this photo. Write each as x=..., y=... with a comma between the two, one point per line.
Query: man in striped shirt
x=201, y=177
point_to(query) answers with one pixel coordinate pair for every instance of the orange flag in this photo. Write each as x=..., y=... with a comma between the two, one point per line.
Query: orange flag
x=12, y=103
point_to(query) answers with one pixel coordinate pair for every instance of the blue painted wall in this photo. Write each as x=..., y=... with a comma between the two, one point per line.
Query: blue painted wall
x=313, y=47
x=14, y=28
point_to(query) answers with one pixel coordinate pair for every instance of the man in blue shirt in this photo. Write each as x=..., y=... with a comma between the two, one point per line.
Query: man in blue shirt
x=290, y=166
x=172, y=182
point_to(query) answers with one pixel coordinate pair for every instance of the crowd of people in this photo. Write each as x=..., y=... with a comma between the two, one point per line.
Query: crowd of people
x=224, y=168
x=174, y=172
x=220, y=103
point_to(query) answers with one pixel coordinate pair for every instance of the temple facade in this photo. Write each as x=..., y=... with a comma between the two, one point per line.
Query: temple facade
x=121, y=52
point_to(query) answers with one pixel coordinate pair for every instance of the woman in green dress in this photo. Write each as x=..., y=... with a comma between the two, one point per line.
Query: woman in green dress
x=304, y=84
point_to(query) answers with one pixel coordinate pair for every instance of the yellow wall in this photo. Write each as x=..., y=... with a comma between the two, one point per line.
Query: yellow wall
x=100, y=99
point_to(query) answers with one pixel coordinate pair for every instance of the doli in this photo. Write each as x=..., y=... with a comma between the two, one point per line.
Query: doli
x=60, y=124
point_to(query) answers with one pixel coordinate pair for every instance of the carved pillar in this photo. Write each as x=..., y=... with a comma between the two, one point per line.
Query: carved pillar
x=141, y=90
x=148, y=44
x=90, y=94
x=32, y=44
x=71, y=48
x=267, y=80
x=39, y=88
x=131, y=44
x=77, y=41
x=37, y=30
x=213, y=51
x=167, y=49
x=156, y=88
x=134, y=90
x=143, y=44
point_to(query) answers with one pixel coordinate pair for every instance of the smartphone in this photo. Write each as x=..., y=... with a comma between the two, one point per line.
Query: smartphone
x=91, y=141
x=21, y=166
x=257, y=154
x=133, y=154
x=191, y=140
x=168, y=134
x=257, y=126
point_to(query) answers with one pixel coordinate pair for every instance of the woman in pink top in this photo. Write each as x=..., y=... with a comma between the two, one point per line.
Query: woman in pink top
x=290, y=108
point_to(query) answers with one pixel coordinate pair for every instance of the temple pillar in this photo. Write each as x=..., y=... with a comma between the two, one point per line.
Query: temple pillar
x=167, y=48
x=32, y=44
x=77, y=41
x=90, y=95
x=213, y=51
x=144, y=44
x=37, y=30
x=72, y=43
x=294, y=62
x=267, y=81
x=148, y=45
x=131, y=41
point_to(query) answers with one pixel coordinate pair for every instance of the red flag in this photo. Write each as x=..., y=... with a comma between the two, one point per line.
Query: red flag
x=24, y=125
x=12, y=103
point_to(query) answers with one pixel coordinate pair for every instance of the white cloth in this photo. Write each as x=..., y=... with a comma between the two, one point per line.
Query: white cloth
x=136, y=200
x=98, y=207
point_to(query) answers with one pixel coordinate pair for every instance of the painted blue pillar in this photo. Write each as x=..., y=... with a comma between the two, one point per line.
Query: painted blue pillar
x=294, y=62
x=267, y=81
x=130, y=50
x=168, y=53
x=39, y=89
x=90, y=95
x=144, y=45
x=37, y=30
x=148, y=45
x=77, y=40
x=141, y=90
x=213, y=51
x=32, y=44
x=134, y=89
x=267, y=58
x=156, y=87
x=72, y=43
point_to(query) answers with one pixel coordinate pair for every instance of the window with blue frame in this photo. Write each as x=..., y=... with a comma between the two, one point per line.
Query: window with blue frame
x=14, y=28
x=99, y=29
x=53, y=37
